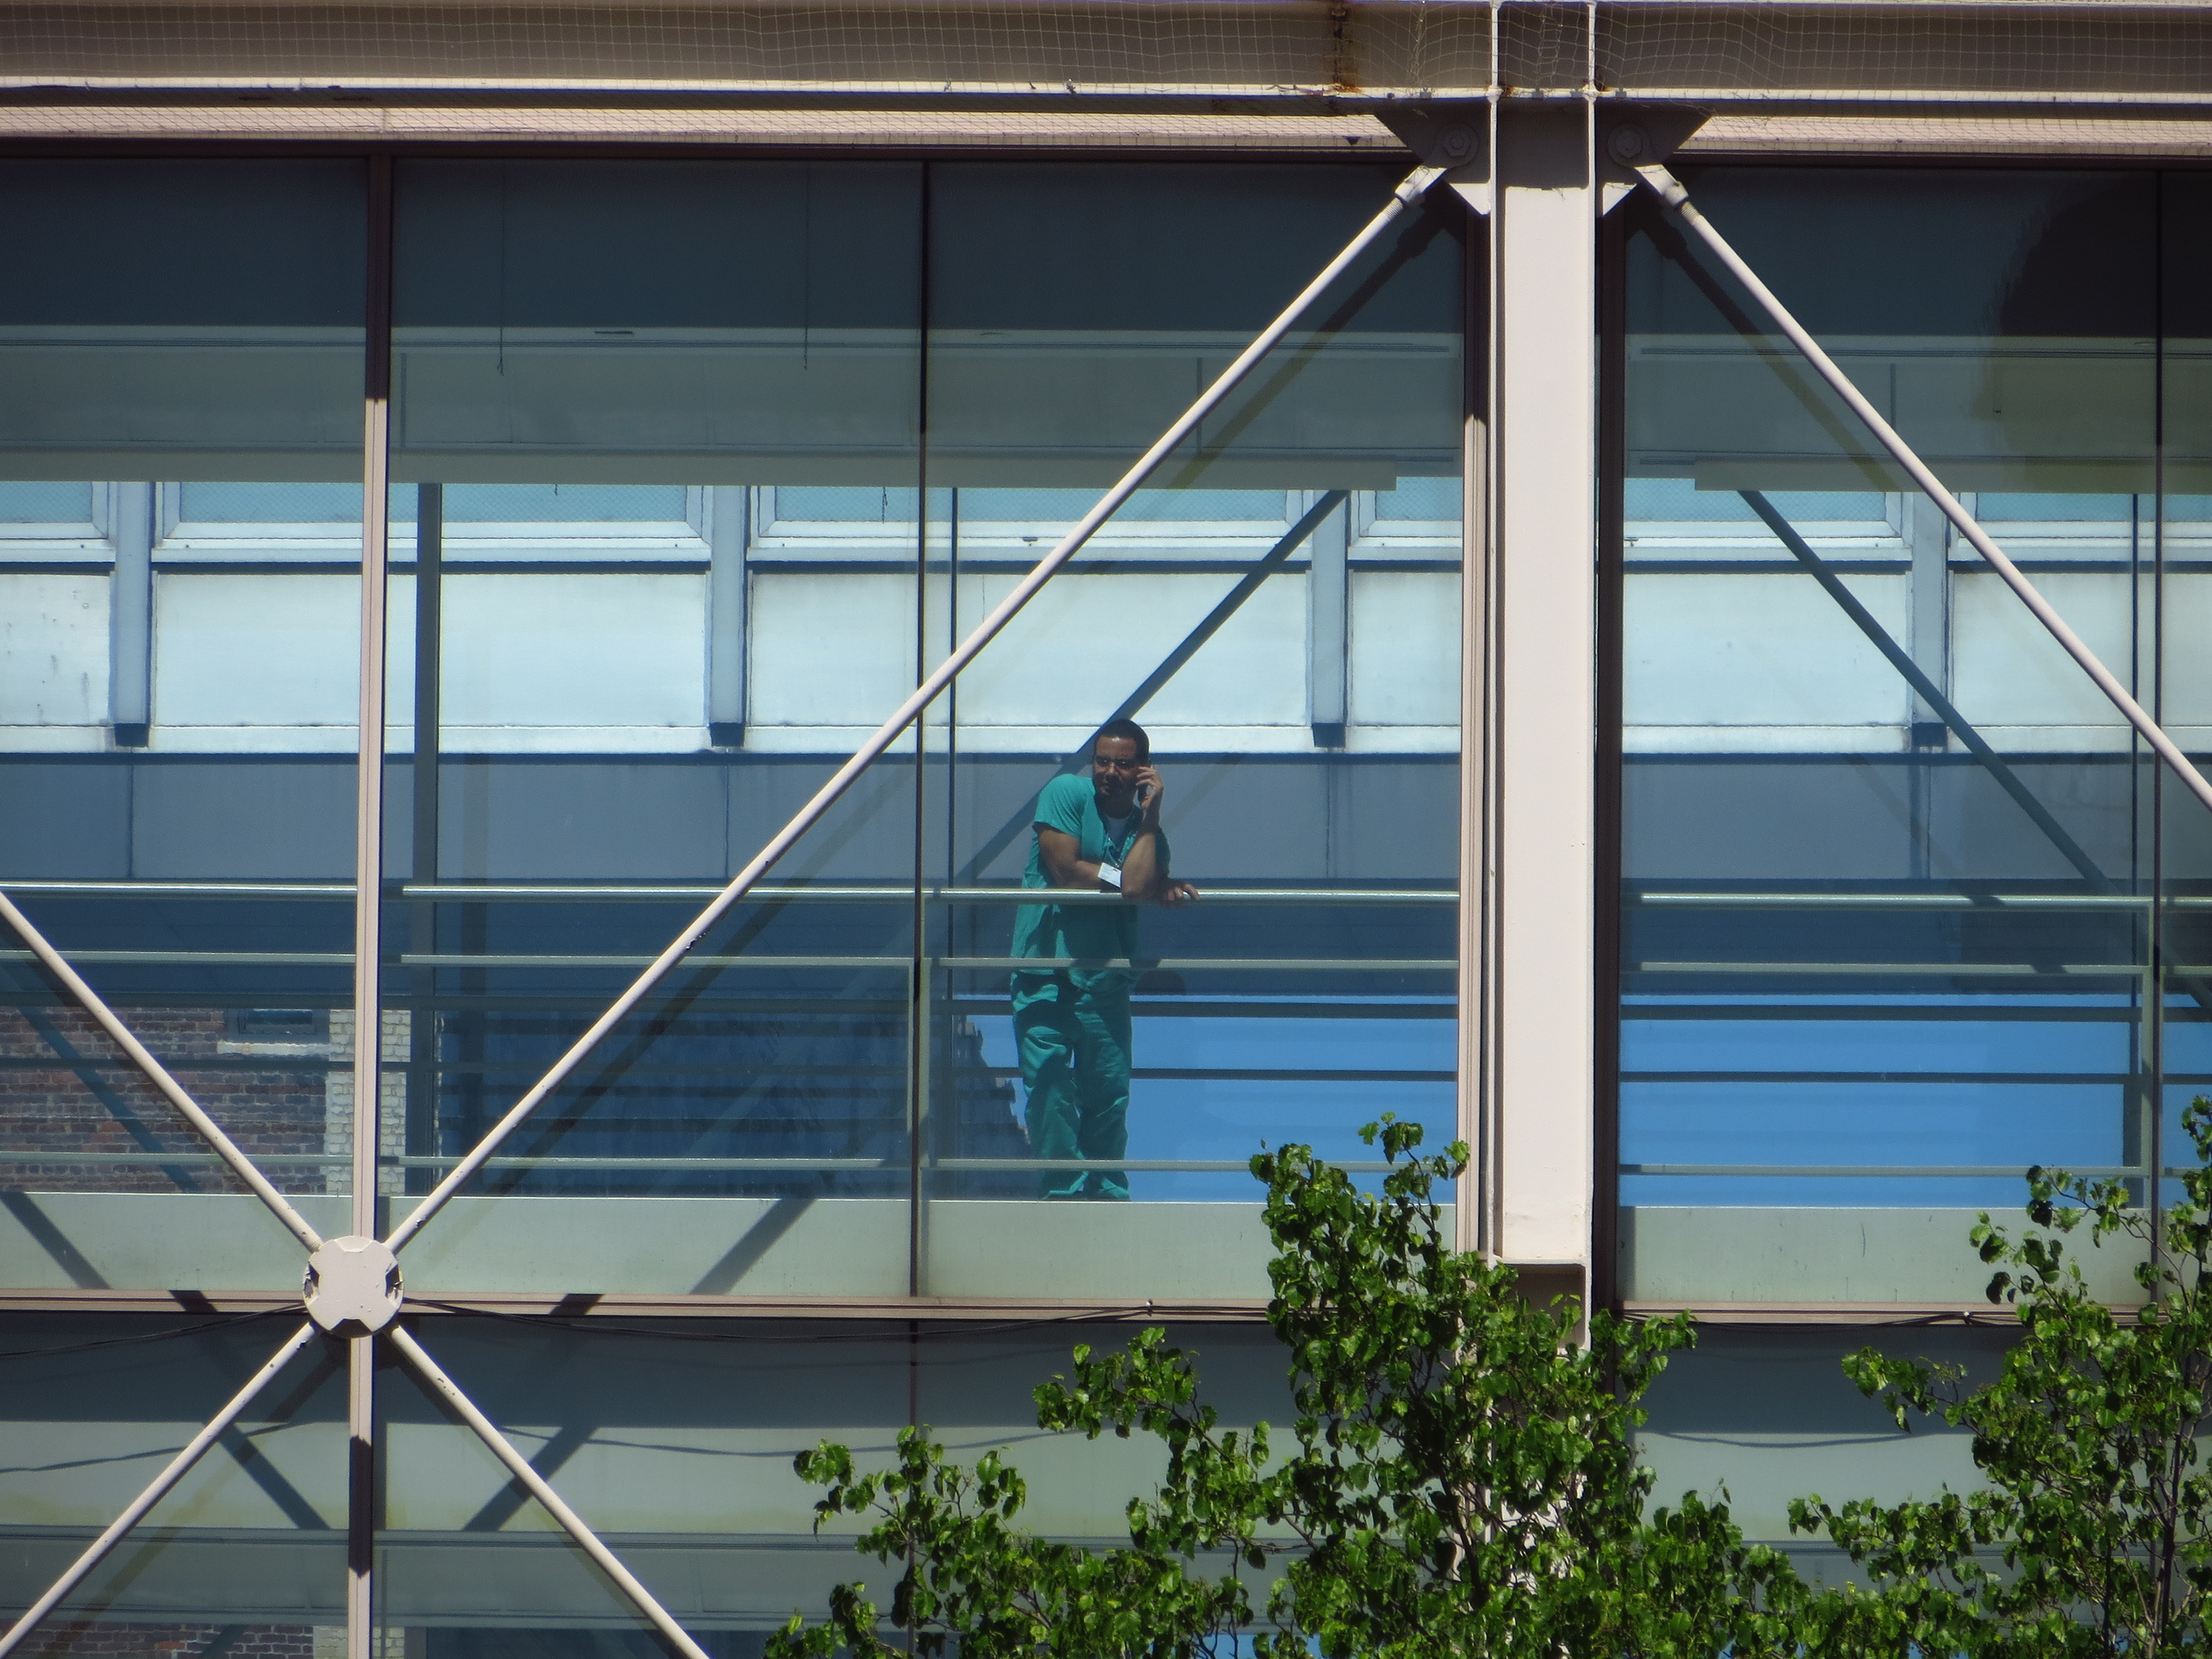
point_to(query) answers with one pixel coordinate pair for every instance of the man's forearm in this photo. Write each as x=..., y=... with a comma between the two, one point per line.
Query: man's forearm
x=1141, y=877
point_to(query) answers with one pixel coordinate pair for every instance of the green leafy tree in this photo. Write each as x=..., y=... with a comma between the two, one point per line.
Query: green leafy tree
x=1460, y=1479
x=2092, y=1536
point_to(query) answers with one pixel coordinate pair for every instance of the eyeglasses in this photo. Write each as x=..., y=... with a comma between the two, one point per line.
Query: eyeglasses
x=1101, y=764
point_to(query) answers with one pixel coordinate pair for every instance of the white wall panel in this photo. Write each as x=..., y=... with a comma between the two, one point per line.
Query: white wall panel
x=620, y=649
x=256, y=649
x=1086, y=642
x=830, y=650
x=53, y=650
x=2008, y=672
x=1759, y=650
x=1405, y=648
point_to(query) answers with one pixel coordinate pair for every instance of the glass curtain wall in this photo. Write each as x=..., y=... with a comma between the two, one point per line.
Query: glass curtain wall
x=2184, y=681
x=246, y=1555
x=697, y=466
x=675, y=533
x=181, y=439
x=1888, y=941
x=677, y=1438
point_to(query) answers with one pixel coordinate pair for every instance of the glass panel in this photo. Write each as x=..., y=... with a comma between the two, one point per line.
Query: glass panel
x=246, y=1556
x=177, y=719
x=1868, y=975
x=2185, y=552
x=36, y=511
x=1280, y=611
x=674, y=1440
x=616, y=688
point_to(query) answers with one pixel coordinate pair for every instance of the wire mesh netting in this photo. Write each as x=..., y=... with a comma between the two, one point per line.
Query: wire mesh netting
x=1233, y=48
x=1712, y=50
x=1895, y=50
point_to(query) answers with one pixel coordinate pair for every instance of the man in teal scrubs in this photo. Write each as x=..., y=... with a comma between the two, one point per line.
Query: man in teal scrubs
x=1096, y=831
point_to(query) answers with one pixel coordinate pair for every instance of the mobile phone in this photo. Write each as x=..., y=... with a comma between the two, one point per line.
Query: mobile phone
x=1144, y=795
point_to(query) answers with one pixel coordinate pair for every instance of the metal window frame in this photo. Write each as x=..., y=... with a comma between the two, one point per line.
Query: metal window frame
x=130, y=512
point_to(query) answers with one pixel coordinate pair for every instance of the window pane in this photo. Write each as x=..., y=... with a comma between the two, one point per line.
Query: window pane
x=176, y=734
x=252, y=1539
x=629, y=701
x=262, y=504
x=565, y=504
x=1296, y=674
x=1146, y=506
x=1869, y=977
x=45, y=503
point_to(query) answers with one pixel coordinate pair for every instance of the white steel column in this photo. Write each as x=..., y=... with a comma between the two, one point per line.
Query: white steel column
x=1328, y=619
x=1542, y=638
x=1476, y=1214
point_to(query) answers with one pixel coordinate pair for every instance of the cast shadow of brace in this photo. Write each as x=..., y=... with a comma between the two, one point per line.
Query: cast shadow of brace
x=754, y=1243
x=53, y=1240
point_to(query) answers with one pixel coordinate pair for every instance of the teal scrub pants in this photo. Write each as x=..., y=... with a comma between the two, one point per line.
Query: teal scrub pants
x=1075, y=1062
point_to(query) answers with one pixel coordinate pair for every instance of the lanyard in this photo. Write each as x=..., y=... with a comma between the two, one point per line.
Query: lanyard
x=1110, y=853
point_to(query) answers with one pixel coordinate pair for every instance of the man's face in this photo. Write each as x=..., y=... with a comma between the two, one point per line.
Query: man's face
x=1114, y=765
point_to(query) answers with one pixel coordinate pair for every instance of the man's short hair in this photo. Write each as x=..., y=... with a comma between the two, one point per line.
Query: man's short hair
x=1129, y=729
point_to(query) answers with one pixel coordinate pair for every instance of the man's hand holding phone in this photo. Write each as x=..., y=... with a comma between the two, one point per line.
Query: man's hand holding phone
x=1149, y=791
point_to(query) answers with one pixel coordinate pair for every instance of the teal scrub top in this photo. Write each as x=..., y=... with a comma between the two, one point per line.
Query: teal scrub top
x=1069, y=803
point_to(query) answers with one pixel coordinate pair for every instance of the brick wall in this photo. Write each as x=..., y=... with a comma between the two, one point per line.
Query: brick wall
x=108, y=1640
x=64, y=1088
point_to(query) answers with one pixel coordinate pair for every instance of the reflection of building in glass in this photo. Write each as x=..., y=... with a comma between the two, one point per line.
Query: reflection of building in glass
x=1589, y=740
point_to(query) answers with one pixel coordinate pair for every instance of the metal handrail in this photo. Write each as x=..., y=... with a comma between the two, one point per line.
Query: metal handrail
x=1214, y=896
x=714, y=1166
x=2015, y=1171
x=894, y=960
x=1910, y=970
x=781, y=892
x=1169, y=1166
x=1897, y=900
